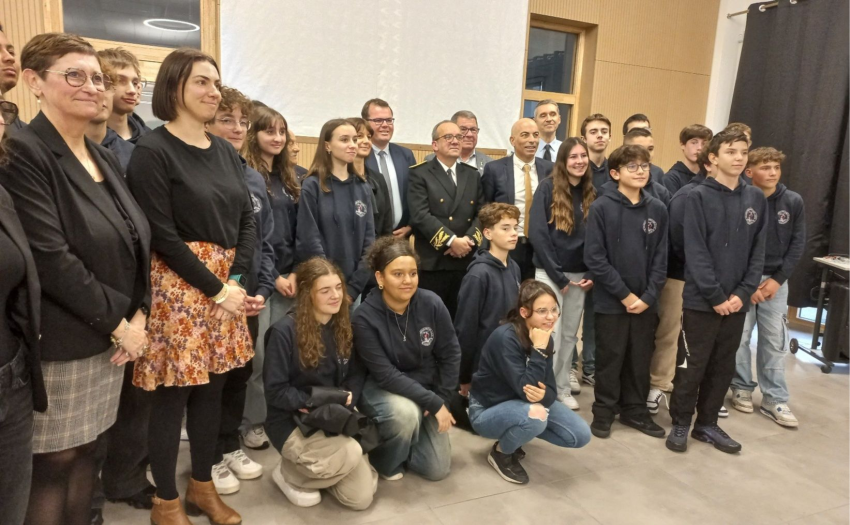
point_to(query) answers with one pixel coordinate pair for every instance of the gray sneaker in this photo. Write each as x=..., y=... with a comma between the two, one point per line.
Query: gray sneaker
x=575, y=384
x=780, y=413
x=742, y=400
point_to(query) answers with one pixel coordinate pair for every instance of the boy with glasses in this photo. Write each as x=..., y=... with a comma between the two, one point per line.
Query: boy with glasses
x=626, y=251
x=128, y=84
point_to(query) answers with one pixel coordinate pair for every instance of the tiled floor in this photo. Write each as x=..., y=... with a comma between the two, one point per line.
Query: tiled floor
x=781, y=476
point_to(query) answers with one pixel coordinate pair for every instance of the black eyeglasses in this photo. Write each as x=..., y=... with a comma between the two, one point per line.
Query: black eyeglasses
x=380, y=121
x=448, y=138
x=232, y=123
x=138, y=83
x=77, y=78
x=9, y=110
x=634, y=167
x=466, y=130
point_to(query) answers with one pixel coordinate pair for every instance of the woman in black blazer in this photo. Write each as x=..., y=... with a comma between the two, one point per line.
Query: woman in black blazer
x=90, y=243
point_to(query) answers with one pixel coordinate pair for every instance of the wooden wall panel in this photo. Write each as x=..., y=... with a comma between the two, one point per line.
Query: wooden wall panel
x=22, y=20
x=638, y=32
x=586, y=11
x=688, y=98
x=692, y=47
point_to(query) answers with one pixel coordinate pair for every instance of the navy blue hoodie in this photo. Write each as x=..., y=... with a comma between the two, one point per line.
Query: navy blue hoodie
x=556, y=251
x=285, y=213
x=507, y=366
x=137, y=127
x=786, y=233
x=601, y=174
x=676, y=235
x=287, y=383
x=487, y=293
x=677, y=177
x=626, y=250
x=725, y=235
x=337, y=225
x=653, y=188
x=120, y=147
x=422, y=367
x=261, y=279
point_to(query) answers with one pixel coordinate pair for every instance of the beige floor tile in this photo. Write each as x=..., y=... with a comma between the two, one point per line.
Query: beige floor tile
x=836, y=516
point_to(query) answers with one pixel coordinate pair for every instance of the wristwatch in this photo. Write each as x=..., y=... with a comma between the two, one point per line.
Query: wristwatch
x=239, y=278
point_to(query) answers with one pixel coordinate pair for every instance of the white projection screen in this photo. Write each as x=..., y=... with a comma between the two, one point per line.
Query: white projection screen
x=314, y=60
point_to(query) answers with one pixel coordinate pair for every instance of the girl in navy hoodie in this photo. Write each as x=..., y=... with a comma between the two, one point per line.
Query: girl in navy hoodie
x=513, y=395
x=335, y=214
x=556, y=230
x=405, y=338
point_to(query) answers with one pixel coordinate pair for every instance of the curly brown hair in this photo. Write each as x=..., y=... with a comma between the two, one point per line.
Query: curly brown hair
x=263, y=118
x=308, y=331
x=563, y=215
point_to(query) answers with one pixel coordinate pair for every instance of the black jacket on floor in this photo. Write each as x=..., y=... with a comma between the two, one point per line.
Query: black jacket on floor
x=724, y=244
x=786, y=233
x=422, y=365
x=626, y=250
x=488, y=292
x=676, y=236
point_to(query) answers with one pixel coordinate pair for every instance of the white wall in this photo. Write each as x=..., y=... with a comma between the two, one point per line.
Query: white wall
x=314, y=60
x=724, y=66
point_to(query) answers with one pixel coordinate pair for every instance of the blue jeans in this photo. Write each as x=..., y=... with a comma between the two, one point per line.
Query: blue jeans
x=588, y=339
x=406, y=436
x=511, y=424
x=771, y=349
x=15, y=439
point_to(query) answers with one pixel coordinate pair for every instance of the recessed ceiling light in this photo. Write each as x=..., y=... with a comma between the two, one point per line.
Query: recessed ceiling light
x=168, y=24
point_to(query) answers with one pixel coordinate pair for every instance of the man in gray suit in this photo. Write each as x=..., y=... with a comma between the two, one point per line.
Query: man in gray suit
x=468, y=124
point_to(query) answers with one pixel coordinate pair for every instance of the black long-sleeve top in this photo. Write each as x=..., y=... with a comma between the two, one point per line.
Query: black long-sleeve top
x=193, y=194
x=285, y=213
x=287, y=383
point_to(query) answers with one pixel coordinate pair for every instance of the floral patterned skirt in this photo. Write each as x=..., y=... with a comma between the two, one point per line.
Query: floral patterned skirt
x=187, y=344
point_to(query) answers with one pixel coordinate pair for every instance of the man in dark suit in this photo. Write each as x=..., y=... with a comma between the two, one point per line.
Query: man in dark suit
x=390, y=160
x=468, y=124
x=513, y=180
x=444, y=198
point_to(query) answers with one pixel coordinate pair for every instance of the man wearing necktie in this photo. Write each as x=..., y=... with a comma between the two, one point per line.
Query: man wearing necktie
x=444, y=198
x=548, y=119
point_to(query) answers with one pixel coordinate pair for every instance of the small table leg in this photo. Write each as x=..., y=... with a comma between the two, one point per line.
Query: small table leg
x=819, y=314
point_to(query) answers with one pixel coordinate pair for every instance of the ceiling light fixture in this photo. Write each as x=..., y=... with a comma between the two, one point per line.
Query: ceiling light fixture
x=168, y=24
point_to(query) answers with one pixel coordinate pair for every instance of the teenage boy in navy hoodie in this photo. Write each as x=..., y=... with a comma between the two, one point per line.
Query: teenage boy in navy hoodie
x=692, y=140
x=786, y=239
x=626, y=250
x=490, y=287
x=724, y=253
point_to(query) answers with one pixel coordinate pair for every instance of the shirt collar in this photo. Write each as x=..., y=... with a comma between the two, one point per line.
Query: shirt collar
x=519, y=163
x=453, y=167
x=378, y=150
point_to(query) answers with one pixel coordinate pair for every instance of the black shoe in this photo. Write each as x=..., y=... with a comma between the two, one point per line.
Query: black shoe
x=519, y=453
x=507, y=466
x=677, y=440
x=96, y=516
x=600, y=429
x=715, y=435
x=644, y=424
x=140, y=500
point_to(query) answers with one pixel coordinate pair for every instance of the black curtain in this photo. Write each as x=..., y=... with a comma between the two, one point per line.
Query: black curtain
x=792, y=89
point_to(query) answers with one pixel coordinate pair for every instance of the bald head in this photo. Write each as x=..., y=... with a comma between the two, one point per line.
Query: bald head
x=524, y=138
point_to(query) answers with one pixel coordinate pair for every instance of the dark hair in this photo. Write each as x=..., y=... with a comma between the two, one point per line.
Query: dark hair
x=763, y=155
x=172, y=76
x=434, y=135
x=262, y=118
x=702, y=160
x=637, y=132
x=464, y=114
x=529, y=291
x=322, y=166
x=563, y=214
x=490, y=215
x=738, y=126
x=360, y=124
x=637, y=117
x=725, y=137
x=308, y=333
x=591, y=118
x=386, y=249
x=43, y=50
x=625, y=154
x=694, y=131
x=373, y=101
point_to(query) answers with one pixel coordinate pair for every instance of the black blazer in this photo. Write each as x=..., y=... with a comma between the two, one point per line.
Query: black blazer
x=383, y=211
x=438, y=210
x=26, y=300
x=498, y=178
x=91, y=276
x=402, y=159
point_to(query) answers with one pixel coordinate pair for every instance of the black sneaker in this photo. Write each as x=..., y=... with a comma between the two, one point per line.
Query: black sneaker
x=677, y=440
x=140, y=500
x=716, y=436
x=96, y=517
x=644, y=424
x=519, y=453
x=600, y=429
x=507, y=466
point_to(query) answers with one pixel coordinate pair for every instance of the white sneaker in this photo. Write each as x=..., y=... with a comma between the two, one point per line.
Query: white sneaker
x=184, y=435
x=298, y=497
x=723, y=412
x=575, y=384
x=242, y=465
x=255, y=438
x=224, y=480
x=567, y=399
x=742, y=400
x=653, y=401
x=394, y=477
x=780, y=413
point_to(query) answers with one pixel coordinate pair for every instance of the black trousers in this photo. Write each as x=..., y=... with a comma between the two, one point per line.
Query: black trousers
x=233, y=400
x=523, y=254
x=203, y=416
x=624, y=346
x=444, y=283
x=705, y=365
x=15, y=440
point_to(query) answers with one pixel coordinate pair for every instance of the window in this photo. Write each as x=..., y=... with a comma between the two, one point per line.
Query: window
x=552, y=71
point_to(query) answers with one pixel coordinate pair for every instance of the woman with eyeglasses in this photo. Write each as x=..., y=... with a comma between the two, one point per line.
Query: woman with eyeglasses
x=556, y=231
x=190, y=183
x=90, y=243
x=513, y=398
x=380, y=192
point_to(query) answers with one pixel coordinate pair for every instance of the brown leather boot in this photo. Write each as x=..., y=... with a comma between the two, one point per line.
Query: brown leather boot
x=202, y=498
x=168, y=512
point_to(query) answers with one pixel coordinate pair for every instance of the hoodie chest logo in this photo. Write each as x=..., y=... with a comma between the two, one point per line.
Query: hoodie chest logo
x=359, y=208
x=649, y=226
x=783, y=216
x=751, y=216
x=258, y=206
x=426, y=336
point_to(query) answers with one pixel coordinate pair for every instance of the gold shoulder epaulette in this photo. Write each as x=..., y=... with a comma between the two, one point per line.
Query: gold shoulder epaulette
x=417, y=165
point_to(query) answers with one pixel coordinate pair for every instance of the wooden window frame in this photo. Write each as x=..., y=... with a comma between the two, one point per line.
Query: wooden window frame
x=561, y=98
